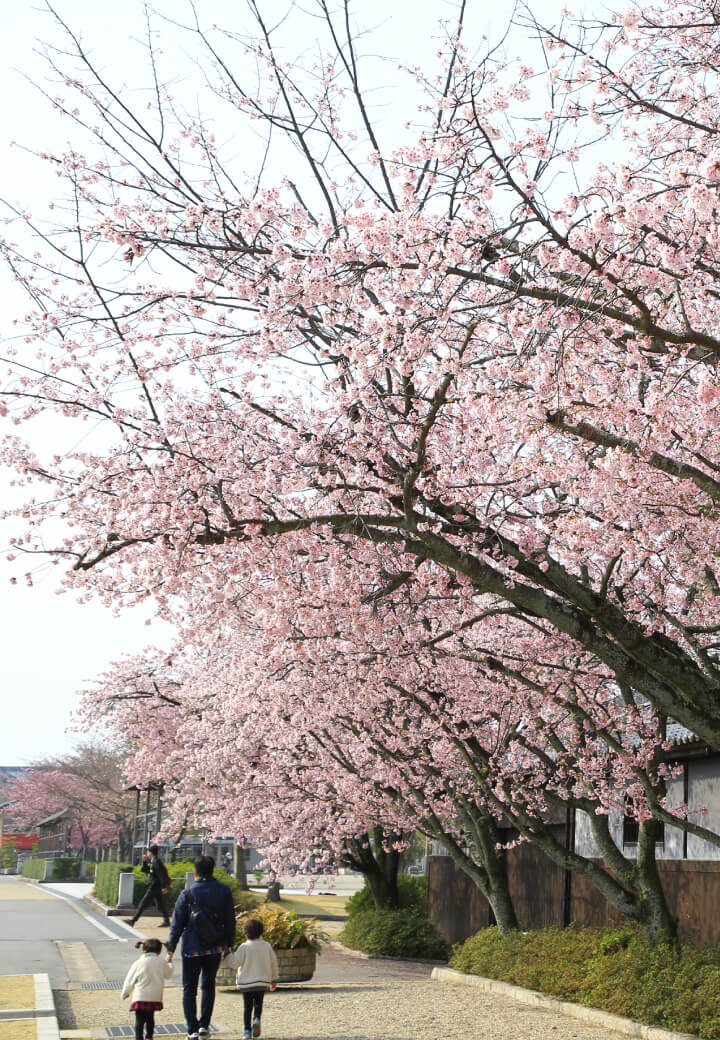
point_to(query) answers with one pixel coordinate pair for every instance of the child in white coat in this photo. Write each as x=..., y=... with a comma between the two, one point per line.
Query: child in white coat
x=257, y=972
x=145, y=982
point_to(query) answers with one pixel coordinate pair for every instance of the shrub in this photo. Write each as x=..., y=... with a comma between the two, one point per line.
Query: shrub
x=242, y=899
x=107, y=877
x=395, y=933
x=33, y=868
x=413, y=892
x=283, y=929
x=676, y=988
x=66, y=869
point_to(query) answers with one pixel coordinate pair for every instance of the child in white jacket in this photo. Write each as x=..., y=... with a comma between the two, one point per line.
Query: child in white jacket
x=257, y=972
x=145, y=981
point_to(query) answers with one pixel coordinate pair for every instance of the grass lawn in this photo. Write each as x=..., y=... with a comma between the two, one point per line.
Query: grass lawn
x=311, y=905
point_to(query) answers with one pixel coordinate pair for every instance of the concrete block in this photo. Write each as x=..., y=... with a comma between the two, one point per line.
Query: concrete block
x=125, y=889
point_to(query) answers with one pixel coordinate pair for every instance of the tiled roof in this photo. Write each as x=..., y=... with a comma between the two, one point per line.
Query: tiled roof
x=677, y=734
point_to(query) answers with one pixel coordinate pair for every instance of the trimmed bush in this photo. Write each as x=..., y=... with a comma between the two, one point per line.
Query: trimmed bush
x=615, y=970
x=242, y=899
x=33, y=868
x=107, y=879
x=413, y=892
x=395, y=933
x=66, y=869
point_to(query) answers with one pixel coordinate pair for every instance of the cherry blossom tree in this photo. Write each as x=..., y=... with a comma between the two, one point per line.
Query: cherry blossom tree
x=88, y=786
x=483, y=356
x=355, y=722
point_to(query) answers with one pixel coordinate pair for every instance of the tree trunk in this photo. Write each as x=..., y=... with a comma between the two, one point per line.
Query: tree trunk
x=633, y=888
x=240, y=865
x=487, y=867
x=659, y=923
x=379, y=865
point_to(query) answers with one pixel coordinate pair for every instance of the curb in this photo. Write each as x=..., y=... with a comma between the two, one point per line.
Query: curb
x=593, y=1016
x=116, y=911
x=108, y=911
x=42, y=1013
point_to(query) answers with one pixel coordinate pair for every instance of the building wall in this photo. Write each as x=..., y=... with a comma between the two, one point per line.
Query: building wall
x=704, y=793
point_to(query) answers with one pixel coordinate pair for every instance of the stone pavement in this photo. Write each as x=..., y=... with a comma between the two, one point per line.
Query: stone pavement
x=349, y=998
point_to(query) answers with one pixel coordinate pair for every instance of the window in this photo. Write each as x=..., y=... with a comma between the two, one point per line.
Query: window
x=631, y=830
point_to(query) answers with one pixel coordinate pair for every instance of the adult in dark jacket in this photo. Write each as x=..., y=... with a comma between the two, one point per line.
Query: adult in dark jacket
x=155, y=891
x=201, y=957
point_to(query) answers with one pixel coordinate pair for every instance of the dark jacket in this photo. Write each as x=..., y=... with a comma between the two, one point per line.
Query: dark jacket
x=214, y=896
x=155, y=869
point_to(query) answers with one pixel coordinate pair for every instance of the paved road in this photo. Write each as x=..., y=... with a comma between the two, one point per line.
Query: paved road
x=49, y=929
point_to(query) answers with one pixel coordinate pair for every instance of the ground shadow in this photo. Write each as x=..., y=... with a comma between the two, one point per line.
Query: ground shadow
x=348, y=1036
x=329, y=987
x=64, y=1010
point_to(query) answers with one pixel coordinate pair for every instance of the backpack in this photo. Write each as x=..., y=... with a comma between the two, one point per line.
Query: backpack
x=166, y=876
x=207, y=924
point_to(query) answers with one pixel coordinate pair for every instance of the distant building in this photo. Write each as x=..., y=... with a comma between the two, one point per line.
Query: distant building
x=11, y=831
x=150, y=815
x=54, y=835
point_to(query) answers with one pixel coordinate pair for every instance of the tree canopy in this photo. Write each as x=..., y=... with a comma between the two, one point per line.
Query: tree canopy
x=470, y=372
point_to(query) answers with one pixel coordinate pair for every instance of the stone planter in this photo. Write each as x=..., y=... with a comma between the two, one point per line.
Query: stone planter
x=295, y=966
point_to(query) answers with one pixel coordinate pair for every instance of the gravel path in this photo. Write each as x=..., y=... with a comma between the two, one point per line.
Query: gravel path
x=353, y=999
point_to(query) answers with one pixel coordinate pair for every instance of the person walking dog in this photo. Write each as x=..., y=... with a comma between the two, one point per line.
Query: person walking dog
x=204, y=916
x=145, y=982
x=158, y=884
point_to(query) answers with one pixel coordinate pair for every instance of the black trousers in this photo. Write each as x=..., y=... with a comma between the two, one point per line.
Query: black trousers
x=192, y=969
x=144, y=1024
x=152, y=893
x=253, y=1001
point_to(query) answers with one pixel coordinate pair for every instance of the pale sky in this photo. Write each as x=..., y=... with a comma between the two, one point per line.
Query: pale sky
x=50, y=644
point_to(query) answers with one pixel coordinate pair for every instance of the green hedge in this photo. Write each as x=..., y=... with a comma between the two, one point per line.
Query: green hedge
x=66, y=869
x=395, y=933
x=405, y=932
x=177, y=871
x=412, y=890
x=617, y=971
x=107, y=879
x=33, y=868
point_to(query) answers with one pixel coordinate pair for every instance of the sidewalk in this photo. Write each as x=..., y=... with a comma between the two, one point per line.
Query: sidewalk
x=349, y=998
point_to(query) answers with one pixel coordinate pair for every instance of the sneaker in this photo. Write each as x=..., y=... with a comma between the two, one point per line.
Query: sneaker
x=256, y=1027
x=246, y=1035
x=193, y=1036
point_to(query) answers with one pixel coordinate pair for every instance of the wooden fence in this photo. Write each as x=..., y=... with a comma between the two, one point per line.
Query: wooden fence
x=545, y=894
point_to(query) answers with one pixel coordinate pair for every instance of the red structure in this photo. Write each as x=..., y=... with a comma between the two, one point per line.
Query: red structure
x=22, y=842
